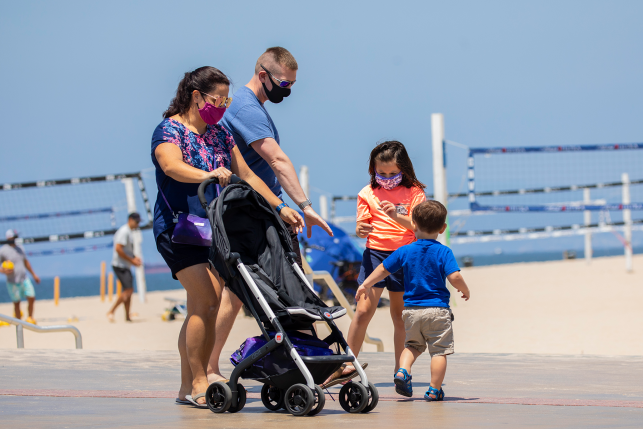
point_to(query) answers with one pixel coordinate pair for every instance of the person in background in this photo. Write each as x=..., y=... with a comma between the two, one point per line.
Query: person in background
x=258, y=140
x=123, y=258
x=14, y=264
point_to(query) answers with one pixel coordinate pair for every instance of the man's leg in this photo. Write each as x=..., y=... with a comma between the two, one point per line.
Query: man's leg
x=228, y=310
x=30, y=302
x=16, y=310
x=127, y=300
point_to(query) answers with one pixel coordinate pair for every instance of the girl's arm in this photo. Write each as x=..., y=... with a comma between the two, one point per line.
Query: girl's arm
x=389, y=208
x=240, y=168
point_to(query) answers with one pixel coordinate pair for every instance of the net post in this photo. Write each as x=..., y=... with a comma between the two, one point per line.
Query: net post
x=588, y=221
x=332, y=210
x=323, y=206
x=102, y=281
x=110, y=286
x=137, y=236
x=439, y=164
x=56, y=290
x=627, y=222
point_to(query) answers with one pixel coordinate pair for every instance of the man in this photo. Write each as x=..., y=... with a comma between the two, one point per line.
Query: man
x=258, y=140
x=15, y=266
x=122, y=259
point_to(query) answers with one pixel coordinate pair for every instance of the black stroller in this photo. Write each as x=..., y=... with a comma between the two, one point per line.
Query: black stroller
x=252, y=251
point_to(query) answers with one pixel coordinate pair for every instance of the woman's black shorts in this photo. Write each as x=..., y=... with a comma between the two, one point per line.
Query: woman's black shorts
x=180, y=256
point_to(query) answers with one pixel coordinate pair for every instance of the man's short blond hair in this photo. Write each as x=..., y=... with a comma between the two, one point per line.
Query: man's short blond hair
x=276, y=55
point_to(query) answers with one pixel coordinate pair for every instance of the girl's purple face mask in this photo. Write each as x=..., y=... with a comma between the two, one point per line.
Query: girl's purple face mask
x=389, y=183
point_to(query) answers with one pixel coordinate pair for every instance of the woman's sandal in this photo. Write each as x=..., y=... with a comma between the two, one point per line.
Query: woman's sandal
x=339, y=377
x=403, y=385
x=439, y=394
x=193, y=400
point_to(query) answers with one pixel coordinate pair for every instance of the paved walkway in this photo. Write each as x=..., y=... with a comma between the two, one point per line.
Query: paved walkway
x=58, y=388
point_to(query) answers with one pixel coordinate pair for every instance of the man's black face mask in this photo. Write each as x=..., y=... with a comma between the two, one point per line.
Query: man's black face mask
x=277, y=93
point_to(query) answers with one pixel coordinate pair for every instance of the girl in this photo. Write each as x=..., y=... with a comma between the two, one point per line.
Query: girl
x=384, y=218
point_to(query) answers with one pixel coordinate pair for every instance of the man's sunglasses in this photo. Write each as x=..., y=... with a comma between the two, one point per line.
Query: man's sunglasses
x=282, y=83
x=219, y=101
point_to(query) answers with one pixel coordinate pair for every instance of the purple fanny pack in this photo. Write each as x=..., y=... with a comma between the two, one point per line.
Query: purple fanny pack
x=190, y=229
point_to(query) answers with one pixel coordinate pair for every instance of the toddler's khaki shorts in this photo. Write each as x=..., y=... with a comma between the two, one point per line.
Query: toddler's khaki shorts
x=429, y=326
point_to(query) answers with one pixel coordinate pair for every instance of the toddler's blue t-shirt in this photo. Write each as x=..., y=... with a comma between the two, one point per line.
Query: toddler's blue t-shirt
x=426, y=265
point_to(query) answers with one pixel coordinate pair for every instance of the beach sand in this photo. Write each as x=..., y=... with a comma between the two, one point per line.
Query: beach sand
x=559, y=307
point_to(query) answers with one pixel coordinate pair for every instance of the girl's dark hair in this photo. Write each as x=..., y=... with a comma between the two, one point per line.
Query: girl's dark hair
x=396, y=152
x=203, y=79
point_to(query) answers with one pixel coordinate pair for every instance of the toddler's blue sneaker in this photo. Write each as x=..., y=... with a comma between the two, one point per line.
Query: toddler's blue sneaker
x=439, y=394
x=403, y=385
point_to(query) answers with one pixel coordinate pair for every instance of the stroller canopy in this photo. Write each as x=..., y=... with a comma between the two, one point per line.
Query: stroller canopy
x=243, y=222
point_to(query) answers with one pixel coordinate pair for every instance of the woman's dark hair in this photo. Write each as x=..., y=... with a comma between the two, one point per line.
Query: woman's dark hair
x=396, y=152
x=203, y=79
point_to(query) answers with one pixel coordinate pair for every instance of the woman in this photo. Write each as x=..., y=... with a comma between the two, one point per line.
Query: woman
x=189, y=147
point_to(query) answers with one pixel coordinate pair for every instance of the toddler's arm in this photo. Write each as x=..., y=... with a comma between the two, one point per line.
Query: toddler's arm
x=363, y=229
x=457, y=281
x=377, y=275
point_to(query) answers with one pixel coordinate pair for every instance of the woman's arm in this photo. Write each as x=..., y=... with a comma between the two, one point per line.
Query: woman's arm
x=170, y=158
x=240, y=168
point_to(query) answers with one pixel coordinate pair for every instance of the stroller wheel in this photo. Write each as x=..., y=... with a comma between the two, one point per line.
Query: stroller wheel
x=272, y=397
x=353, y=397
x=299, y=399
x=373, y=398
x=218, y=397
x=320, y=401
x=241, y=400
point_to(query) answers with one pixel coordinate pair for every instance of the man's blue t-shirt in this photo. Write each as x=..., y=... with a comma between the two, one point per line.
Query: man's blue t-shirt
x=248, y=121
x=426, y=265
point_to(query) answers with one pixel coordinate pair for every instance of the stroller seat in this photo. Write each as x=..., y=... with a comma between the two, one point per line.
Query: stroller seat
x=334, y=313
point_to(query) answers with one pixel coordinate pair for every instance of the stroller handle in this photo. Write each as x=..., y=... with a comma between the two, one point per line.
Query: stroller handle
x=201, y=192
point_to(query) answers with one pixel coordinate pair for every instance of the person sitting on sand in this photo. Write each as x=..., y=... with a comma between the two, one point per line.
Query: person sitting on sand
x=427, y=316
x=122, y=259
x=15, y=266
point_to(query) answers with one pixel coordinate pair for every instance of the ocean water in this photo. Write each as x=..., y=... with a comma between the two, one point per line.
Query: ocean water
x=90, y=286
x=161, y=279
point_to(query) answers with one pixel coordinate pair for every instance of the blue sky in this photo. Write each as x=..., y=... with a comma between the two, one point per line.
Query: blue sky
x=84, y=84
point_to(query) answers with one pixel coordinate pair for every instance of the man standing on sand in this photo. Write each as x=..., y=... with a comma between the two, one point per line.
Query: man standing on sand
x=15, y=266
x=123, y=258
x=258, y=140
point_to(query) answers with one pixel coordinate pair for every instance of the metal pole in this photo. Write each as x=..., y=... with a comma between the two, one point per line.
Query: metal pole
x=303, y=179
x=439, y=164
x=588, y=221
x=20, y=337
x=627, y=221
x=141, y=285
x=323, y=206
x=332, y=210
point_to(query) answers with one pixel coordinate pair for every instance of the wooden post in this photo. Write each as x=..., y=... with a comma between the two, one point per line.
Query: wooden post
x=102, y=281
x=110, y=286
x=119, y=288
x=56, y=290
